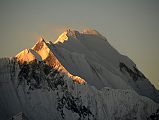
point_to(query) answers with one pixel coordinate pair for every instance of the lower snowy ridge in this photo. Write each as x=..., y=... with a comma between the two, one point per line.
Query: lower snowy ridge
x=43, y=93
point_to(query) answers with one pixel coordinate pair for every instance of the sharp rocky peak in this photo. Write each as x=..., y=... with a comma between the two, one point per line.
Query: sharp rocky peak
x=41, y=42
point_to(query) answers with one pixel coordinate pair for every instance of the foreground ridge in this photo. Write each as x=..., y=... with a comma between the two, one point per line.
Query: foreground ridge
x=47, y=91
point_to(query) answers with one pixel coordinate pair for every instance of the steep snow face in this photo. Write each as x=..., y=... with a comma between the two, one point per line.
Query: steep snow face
x=43, y=93
x=92, y=41
x=90, y=56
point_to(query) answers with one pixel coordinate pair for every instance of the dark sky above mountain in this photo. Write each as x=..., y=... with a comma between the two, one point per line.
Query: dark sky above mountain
x=131, y=26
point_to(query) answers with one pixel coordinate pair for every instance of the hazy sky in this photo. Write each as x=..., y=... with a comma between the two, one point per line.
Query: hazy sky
x=131, y=26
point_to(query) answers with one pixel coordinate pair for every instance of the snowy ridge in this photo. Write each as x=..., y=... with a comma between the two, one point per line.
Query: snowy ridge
x=79, y=76
x=55, y=96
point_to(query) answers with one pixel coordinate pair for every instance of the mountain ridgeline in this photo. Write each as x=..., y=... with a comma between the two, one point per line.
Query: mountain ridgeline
x=80, y=76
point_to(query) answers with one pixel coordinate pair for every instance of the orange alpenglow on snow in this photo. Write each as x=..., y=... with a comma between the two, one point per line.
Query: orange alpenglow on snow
x=41, y=52
x=28, y=55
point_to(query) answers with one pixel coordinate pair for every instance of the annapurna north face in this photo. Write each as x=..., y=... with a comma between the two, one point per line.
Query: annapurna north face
x=79, y=76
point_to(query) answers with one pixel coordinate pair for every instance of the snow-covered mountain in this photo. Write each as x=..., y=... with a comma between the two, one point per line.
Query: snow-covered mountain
x=79, y=76
x=90, y=56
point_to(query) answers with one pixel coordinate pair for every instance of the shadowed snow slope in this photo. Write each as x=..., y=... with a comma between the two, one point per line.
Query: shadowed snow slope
x=80, y=76
x=90, y=56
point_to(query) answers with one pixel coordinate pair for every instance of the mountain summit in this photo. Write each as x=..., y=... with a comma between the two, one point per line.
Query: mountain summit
x=89, y=55
x=80, y=76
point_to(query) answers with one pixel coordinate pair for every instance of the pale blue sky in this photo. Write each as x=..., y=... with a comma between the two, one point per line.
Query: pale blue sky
x=131, y=26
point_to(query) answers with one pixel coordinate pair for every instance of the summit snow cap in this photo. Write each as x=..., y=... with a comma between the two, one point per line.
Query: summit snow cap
x=66, y=34
x=75, y=34
x=91, y=31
